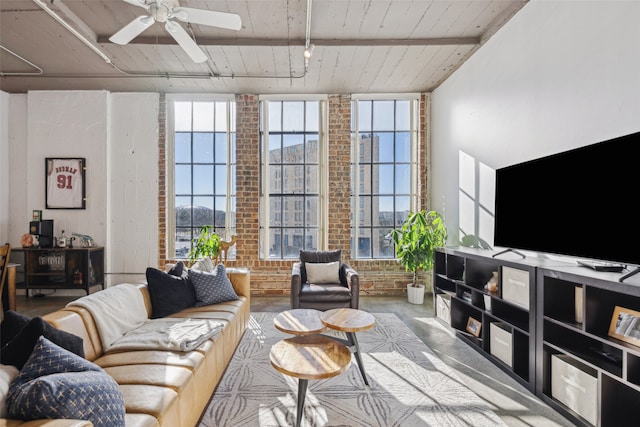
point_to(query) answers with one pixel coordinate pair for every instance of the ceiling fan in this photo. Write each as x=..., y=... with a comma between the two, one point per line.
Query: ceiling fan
x=165, y=11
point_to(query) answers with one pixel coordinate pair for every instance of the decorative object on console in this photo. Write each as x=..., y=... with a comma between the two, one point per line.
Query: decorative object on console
x=65, y=183
x=86, y=241
x=37, y=215
x=492, y=284
x=26, y=240
x=44, y=232
x=625, y=325
x=474, y=326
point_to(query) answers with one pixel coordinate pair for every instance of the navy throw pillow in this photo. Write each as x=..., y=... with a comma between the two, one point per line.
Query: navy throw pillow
x=17, y=351
x=169, y=294
x=12, y=324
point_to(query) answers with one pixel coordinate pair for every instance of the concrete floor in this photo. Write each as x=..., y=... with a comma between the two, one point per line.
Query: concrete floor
x=511, y=401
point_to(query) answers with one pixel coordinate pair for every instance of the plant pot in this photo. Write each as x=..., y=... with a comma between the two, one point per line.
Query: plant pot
x=415, y=294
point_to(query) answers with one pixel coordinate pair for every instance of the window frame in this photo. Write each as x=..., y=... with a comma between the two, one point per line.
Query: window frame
x=356, y=200
x=171, y=99
x=323, y=175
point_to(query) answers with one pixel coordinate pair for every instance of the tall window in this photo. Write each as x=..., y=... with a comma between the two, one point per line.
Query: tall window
x=384, y=140
x=202, y=151
x=292, y=153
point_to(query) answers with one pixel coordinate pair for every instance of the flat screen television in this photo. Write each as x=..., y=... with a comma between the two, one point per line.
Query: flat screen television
x=580, y=203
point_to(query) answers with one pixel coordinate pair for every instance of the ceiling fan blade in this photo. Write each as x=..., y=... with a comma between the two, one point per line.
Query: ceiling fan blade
x=230, y=21
x=132, y=30
x=182, y=37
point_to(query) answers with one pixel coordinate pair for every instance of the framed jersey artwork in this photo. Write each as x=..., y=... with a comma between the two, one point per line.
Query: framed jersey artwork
x=65, y=182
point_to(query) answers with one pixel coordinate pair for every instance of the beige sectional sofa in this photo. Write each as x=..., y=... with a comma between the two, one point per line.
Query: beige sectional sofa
x=161, y=388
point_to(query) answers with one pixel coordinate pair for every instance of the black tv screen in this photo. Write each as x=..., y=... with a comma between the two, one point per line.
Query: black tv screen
x=580, y=203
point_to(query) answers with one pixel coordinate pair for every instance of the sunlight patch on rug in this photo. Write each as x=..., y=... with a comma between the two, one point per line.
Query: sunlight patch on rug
x=409, y=385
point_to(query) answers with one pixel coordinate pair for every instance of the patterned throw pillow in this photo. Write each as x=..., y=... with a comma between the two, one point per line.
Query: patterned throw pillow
x=55, y=383
x=205, y=264
x=212, y=288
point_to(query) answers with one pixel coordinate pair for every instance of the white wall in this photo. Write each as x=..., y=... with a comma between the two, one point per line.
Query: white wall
x=132, y=229
x=559, y=75
x=118, y=136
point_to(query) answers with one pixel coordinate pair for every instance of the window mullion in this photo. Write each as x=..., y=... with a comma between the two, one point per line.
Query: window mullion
x=266, y=235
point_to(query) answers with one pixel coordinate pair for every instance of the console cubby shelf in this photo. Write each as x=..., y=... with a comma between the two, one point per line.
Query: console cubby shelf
x=553, y=324
x=577, y=310
x=464, y=272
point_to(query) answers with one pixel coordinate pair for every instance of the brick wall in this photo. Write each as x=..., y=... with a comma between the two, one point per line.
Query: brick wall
x=379, y=277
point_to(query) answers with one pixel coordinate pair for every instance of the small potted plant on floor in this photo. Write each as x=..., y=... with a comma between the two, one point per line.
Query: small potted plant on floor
x=206, y=244
x=415, y=242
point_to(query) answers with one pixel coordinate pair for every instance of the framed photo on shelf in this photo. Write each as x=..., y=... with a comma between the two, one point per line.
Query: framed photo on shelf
x=474, y=326
x=65, y=182
x=625, y=325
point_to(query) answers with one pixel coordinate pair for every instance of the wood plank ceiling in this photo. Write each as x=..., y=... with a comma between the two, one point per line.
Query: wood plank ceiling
x=361, y=46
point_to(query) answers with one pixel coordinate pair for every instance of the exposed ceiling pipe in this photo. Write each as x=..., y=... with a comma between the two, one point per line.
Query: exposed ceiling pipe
x=21, y=73
x=72, y=30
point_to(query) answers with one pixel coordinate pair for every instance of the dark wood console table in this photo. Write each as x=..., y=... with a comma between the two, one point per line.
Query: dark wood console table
x=59, y=268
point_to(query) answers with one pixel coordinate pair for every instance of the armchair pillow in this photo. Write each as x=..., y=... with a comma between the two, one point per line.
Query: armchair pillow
x=314, y=257
x=323, y=272
x=65, y=385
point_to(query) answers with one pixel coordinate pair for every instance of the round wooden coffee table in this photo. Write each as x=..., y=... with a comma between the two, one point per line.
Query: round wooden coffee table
x=350, y=321
x=309, y=357
x=299, y=321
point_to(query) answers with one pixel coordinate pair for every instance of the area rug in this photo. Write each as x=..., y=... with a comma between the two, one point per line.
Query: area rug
x=409, y=385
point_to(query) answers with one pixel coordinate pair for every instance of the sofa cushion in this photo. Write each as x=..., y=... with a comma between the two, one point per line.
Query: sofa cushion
x=17, y=351
x=323, y=272
x=168, y=293
x=66, y=386
x=7, y=375
x=12, y=324
x=212, y=288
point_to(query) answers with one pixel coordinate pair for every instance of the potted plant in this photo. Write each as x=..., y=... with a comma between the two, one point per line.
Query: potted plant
x=206, y=244
x=415, y=242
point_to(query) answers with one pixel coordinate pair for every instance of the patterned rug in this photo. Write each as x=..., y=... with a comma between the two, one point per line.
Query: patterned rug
x=409, y=385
